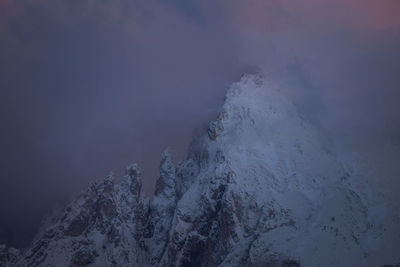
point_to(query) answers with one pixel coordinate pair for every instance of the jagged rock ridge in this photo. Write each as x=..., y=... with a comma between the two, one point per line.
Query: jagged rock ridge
x=259, y=189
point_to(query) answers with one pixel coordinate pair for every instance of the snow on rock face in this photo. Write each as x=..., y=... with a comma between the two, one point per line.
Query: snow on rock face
x=98, y=228
x=264, y=177
x=133, y=175
x=8, y=256
x=162, y=207
x=259, y=189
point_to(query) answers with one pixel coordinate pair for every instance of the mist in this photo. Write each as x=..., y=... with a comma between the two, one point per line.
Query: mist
x=88, y=87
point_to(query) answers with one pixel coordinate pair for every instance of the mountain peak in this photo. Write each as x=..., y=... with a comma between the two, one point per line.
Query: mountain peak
x=133, y=176
x=258, y=189
x=166, y=181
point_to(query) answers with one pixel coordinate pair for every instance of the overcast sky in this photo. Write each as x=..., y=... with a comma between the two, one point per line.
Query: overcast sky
x=90, y=86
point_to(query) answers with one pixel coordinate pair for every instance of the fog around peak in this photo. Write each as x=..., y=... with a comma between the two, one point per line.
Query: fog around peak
x=92, y=86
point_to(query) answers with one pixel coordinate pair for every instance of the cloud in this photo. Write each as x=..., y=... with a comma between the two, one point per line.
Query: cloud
x=342, y=54
x=89, y=86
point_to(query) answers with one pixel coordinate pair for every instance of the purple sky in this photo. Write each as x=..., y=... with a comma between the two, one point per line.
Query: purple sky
x=90, y=86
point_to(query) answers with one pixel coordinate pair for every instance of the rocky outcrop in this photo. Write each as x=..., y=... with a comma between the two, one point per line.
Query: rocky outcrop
x=258, y=189
x=99, y=226
x=8, y=256
x=163, y=207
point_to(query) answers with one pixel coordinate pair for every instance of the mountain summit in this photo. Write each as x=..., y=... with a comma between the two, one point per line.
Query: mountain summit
x=258, y=189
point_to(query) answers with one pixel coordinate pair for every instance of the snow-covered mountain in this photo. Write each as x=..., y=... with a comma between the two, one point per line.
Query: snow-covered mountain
x=259, y=189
